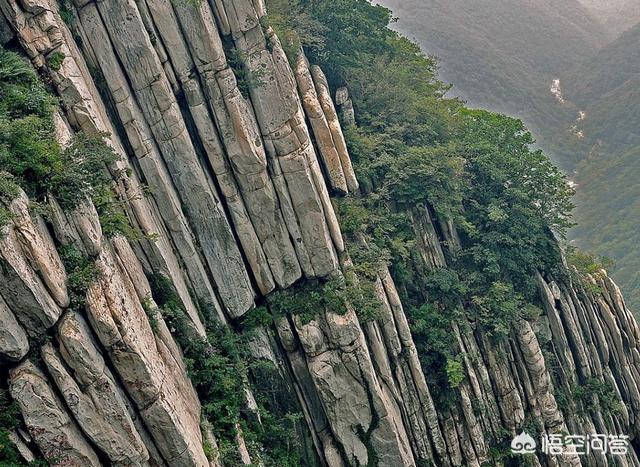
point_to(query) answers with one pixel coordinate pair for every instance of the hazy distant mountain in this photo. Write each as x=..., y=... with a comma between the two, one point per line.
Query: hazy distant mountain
x=608, y=215
x=616, y=15
x=506, y=39
x=504, y=54
x=607, y=88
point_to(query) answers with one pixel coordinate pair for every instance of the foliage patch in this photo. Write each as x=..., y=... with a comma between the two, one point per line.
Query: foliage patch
x=220, y=369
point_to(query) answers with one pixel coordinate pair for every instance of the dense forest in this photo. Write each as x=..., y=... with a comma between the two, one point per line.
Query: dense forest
x=495, y=56
x=444, y=260
x=415, y=149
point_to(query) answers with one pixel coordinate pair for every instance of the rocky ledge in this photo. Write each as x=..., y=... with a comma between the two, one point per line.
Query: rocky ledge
x=238, y=206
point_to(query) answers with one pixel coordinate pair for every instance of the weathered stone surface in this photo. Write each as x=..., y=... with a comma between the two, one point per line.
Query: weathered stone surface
x=157, y=385
x=345, y=379
x=177, y=49
x=242, y=173
x=39, y=249
x=41, y=32
x=56, y=434
x=345, y=107
x=540, y=380
x=314, y=231
x=427, y=241
x=200, y=201
x=13, y=340
x=24, y=253
x=91, y=393
x=279, y=116
x=320, y=126
x=324, y=96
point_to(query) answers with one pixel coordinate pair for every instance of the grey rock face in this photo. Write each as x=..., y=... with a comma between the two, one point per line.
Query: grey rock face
x=56, y=434
x=324, y=96
x=91, y=393
x=321, y=130
x=237, y=207
x=13, y=340
x=32, y=278
x=345, y=107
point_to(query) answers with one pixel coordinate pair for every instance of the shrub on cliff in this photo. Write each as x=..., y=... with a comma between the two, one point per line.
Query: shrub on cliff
x=30, y=153
x=221, y=370
x=418, y=153
x=10, y=420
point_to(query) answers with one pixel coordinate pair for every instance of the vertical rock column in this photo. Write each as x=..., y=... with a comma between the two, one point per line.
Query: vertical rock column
x=230, y=137
x=365, y=423
x=320, y=126
x=293, y=163
x=92, y=394
x=42, y=32
x=56, y=434
x=324, y=97
x=32, y=277
x=14, y=343
x=122, y=25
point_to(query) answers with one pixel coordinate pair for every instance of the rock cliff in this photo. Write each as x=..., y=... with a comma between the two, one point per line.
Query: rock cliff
x=229, y=186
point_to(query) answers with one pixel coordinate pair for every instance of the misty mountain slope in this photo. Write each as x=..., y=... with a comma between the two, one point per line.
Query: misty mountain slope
x=497, y=52
x=503, y=54
x=616, y=15
x=607, y=87
x=608, y=213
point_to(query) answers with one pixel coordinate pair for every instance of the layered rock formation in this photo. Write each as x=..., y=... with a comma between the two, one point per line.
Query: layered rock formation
x=239, y=176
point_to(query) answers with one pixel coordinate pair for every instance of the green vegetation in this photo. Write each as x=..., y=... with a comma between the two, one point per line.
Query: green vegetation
x=455, y=373
x=590, y=395
x=9, y=190
x=28, y=150
x=246, y=79
x=31, y=158
x=308, y=299
x=152, y=314
x=584, y=266
x=81, y=272
x=418, y=153
x=220, y=369
x=66, y=12
x=10, y=420
x=594, y=390
x=588, y=263
x=294, y=26
x=55, y=60
x=82, y=170
x=258, y=317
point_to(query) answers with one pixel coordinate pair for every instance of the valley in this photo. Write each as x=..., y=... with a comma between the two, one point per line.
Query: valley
x=572, y=73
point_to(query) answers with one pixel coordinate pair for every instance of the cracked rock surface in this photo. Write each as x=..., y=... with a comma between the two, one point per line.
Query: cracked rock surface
x=238, y=206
